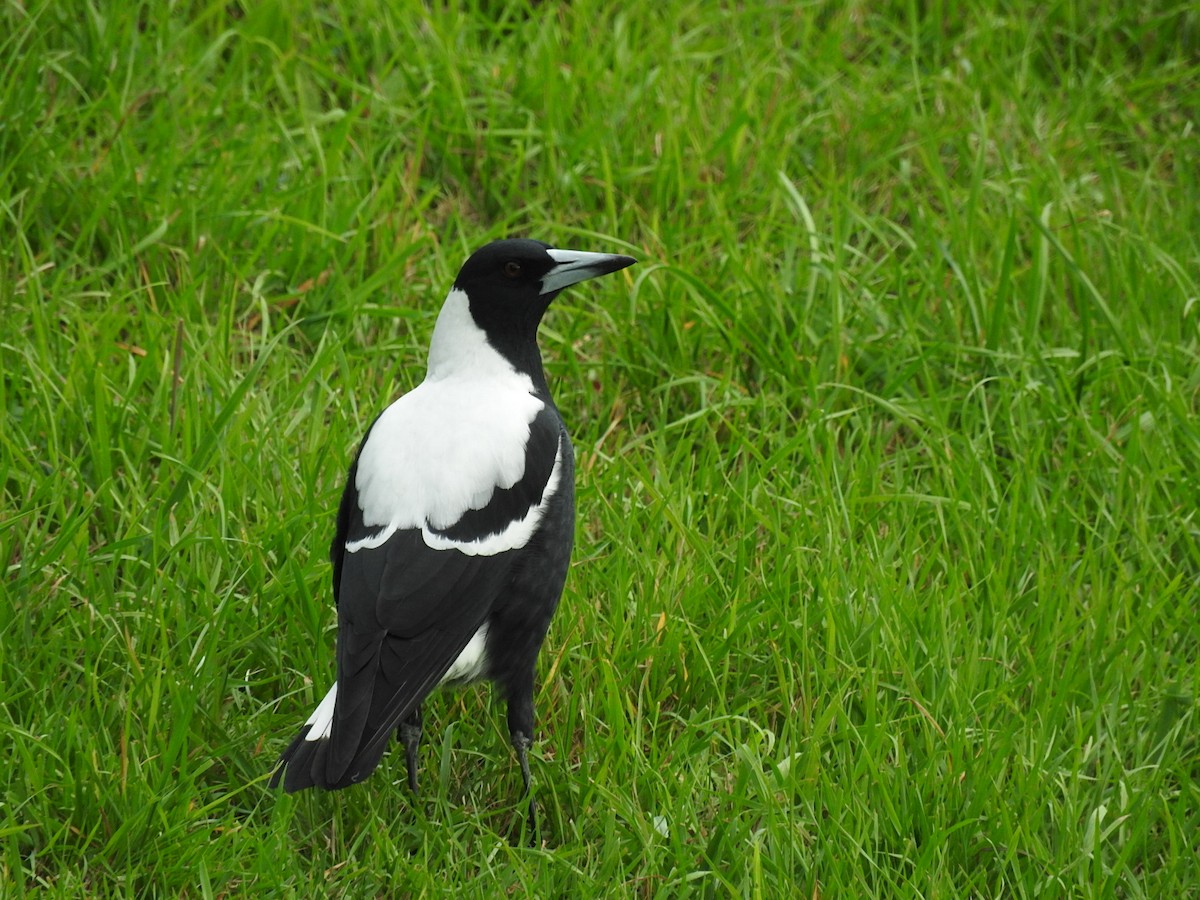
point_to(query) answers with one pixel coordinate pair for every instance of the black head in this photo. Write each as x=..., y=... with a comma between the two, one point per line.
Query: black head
x=509, y=284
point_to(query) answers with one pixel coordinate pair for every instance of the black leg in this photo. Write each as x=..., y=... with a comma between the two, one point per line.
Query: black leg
x=410, y=737
x=520, y=731
x=521, y=744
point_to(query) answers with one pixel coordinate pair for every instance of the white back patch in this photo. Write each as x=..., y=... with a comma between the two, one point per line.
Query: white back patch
x=447, y=445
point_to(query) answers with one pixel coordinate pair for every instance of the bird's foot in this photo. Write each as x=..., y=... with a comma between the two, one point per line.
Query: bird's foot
x=521, y=744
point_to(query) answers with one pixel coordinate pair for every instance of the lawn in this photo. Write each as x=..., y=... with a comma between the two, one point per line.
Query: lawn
x=888, y=555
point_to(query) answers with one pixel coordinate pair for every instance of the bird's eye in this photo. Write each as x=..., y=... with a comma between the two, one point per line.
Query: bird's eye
x=512, y=269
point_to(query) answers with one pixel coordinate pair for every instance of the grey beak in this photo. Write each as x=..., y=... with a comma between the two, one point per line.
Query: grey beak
x=575, y=266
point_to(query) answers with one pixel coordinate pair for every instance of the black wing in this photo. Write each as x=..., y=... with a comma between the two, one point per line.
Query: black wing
x=405, y=613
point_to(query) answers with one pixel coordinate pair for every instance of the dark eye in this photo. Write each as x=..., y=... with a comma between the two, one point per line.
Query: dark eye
x=512, y=269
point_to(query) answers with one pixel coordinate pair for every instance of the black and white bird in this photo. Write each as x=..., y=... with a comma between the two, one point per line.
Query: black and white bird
x=455, y=529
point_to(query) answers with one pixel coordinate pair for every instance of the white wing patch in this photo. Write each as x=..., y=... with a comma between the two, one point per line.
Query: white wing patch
x=445, y=447
x=515, y=536
x=322, y=718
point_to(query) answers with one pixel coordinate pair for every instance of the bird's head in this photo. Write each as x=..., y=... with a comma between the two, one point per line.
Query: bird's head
x=509, y=284
x=513, y=281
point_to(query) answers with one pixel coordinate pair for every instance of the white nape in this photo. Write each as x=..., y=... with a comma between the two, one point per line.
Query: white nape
x=322, y=718
x=460, y=348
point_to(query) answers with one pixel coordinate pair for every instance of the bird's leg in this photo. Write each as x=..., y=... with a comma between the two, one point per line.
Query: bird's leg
x=520, y=731
x=521, y=744
x=410, y=737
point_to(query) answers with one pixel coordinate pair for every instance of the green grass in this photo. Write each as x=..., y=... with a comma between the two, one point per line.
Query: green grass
x=889, y=552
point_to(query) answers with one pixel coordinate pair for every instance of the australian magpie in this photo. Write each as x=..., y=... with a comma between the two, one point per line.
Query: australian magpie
x=456, y=525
